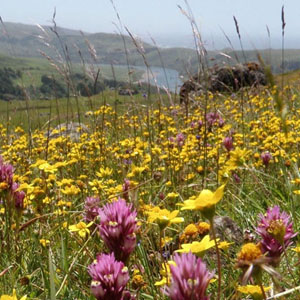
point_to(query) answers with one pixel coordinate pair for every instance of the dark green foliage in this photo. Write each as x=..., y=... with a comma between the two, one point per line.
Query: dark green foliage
x=8, y=90
x=52, y=87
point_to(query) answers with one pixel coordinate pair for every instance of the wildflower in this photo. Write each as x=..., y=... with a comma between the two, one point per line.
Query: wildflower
x=192, y=231
x=117, y=227
x=296, y=249
x=253, y=290
x=276, y=231
x=109, y=277
x=91, y=208
x=266, y=157
x=249, y=252
x=180, y=139
x=224, y=245
x=205, y=202
x=18, y=196
x=203, y=228
x=237, y=158
x=252, y=261
x=189, y=278
x=81, y=228
x=13, y=297
x=44, y=242
x=198, y=248
x=45, y=166
x=163, y=217
x=6, y=175
x=213, y=118
x=228, y=143
x=165, y=272
x=137, y=279
x=71, y=190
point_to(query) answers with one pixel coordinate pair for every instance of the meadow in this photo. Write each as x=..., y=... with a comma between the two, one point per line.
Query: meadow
x=144, y=198
x=233, y=155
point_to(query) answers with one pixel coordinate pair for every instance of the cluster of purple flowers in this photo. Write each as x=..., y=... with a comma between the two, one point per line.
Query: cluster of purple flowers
x=228, y=143
x=266, y=157
x=190, y=278
x=7, y=184
x=276, y=231
x=117, y=228
x=213, y=118
x=178, y=140
x=6, y=175
x=91, y=208
x=109, y=278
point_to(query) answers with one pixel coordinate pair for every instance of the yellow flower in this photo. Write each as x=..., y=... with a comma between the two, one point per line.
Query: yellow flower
x=44, y=242
x=191, y=229
x=253, y=290
x=3, y=186
x=13, y=297
x=205, y=202
x=203, y=228
x=163, y=217
x=104, y=172
x=224, y=245
x=166, y=273
x=296, y=249
x=166, y=240
x=81, y=228
x=249, y=252
x=198, y=248
x=71, y=190
x=238, y=157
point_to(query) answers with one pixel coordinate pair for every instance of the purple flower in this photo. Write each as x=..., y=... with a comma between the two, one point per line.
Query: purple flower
x=6, y=173
x=91, y=208
x=180, y=139
x=276, y=232
x=109, y=278
x=228, y=143
x=236, y=178
x=117, y=228
x=190, y=278
x=266, y=157
x=213, y=118
x=18, y=196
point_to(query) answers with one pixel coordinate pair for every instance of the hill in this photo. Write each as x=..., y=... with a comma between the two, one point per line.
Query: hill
x=29, y=41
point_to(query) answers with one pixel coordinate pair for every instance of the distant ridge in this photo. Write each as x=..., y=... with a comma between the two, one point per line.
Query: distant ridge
x=23, y=40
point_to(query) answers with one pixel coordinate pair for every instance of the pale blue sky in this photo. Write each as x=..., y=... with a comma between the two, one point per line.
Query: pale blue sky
x=162, y=17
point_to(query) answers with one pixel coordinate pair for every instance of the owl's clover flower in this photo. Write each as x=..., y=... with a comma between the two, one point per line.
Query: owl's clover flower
x=189, y=278
x=276, y=231
x=109, y=278
x=91, y=208
x=117, y=227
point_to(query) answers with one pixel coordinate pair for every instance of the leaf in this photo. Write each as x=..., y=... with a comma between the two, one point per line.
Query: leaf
x=52, y=277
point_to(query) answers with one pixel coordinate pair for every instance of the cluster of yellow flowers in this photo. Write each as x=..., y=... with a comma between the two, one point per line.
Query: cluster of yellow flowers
x=172, y=163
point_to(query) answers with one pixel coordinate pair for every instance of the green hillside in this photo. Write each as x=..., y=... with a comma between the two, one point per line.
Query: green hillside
x=30, y=41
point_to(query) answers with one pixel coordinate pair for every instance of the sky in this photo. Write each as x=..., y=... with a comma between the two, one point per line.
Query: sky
x=163, y=20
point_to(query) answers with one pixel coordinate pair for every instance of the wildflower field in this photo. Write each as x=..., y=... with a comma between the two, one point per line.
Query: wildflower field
x=156, y=202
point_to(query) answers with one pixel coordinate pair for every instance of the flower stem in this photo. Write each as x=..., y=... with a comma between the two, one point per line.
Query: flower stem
x=218, y=257
x=262, y=290
x=288, y=264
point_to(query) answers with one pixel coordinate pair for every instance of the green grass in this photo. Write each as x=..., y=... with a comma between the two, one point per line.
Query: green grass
x=33, y=68
x=36, y=114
